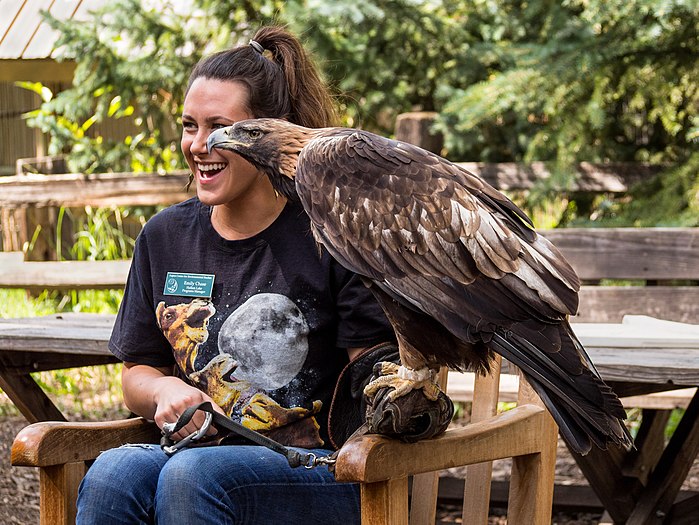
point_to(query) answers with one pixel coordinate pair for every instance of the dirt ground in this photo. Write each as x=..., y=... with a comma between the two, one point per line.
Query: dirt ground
x=19, y=496
x=19, y=487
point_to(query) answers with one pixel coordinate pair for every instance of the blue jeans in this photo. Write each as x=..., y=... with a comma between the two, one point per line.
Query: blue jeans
x=237, y=484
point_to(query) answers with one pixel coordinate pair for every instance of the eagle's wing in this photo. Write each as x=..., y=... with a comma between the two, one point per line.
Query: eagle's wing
x=442, y=241
x=432, y=232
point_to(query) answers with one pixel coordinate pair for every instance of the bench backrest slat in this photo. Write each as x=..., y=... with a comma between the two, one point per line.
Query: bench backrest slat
x=630, y=253
x=64, y=275
x=648, y=254
x=609, y=304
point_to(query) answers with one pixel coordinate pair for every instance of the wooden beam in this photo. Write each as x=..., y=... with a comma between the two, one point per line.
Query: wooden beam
x=656, y=500
x=28, y=362
x=615, y=177
x=629, y=253
x=88, y=334
x=603, y=470
x=609, y=304
x=649, y=442
x=27, y=396
x=102, y=189
x=65, y=275
x=685, y=511
x=566, y=498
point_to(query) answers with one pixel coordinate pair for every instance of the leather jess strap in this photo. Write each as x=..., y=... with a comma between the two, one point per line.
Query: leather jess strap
x=294, y=457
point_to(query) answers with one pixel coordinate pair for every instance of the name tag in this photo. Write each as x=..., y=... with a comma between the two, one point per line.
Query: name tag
x=189, y=284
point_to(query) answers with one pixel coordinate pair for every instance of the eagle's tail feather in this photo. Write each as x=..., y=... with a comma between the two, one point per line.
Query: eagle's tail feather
x=583, y=406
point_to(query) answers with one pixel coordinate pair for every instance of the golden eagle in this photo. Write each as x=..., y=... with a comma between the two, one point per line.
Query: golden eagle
x=457, y=267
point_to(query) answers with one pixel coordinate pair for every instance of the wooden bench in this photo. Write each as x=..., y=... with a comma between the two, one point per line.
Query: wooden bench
x=61, y=275
x=664, y=286
x=381, y=465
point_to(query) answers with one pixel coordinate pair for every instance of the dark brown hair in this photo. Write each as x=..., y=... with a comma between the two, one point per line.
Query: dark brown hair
x=282, y=81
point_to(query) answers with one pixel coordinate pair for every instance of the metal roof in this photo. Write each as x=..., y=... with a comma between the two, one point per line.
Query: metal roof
x=23, y=32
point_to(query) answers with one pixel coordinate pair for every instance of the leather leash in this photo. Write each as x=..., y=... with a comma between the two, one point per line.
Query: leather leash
x=293, y=456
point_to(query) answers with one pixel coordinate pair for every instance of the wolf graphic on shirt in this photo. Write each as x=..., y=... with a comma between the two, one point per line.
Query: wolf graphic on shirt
x=186, y=327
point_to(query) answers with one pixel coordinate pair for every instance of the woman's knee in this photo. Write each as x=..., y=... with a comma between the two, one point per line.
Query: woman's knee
x=121, y=483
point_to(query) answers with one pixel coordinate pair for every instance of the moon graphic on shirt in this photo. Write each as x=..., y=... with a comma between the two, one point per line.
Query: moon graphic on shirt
x=268, y=336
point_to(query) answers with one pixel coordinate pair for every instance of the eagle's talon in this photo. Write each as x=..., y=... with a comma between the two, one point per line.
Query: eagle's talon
x=403, y=381
x=389, y=368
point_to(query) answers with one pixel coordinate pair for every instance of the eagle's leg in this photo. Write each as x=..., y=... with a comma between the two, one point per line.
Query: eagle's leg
x=414, y=330
x=403, y=380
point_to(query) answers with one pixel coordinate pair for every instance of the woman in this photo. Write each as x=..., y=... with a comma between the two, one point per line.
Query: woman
x=229, y=301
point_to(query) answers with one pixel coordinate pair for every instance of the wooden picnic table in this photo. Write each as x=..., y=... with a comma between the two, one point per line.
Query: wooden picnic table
x=35, y=344
x=640, y=356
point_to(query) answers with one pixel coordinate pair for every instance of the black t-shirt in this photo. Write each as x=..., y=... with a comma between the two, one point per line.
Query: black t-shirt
x=269, y=342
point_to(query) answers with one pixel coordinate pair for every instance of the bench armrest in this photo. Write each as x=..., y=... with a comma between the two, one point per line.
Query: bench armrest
x=372, y=458
x=56, y=442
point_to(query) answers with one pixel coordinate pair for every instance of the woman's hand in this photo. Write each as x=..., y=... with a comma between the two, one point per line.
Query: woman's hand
x=156, y=394
x=172, y=398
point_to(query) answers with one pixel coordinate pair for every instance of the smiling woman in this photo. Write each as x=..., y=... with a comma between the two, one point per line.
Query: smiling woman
x=264, y=338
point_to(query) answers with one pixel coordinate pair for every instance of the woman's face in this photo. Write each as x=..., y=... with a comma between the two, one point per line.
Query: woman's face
x=221, y=177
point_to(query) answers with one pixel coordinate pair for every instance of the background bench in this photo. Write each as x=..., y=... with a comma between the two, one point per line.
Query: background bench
x=647, y=271
x=64, y=275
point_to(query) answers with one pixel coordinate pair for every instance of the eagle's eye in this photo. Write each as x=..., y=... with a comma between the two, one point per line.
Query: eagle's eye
x=254, y=133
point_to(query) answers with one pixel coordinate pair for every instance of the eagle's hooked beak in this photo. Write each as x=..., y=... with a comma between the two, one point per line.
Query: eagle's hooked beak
x=220, y=137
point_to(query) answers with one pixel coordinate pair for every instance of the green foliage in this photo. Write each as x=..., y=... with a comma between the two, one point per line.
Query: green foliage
x=101, y=235
x=386, y=57
x=86, y=392
x=595, y=81
x=579, y=80
x=592, y=80
x=16, y=303
x=132, y=63
x=88, y=153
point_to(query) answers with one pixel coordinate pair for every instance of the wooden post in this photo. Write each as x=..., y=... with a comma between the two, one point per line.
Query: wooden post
x=385, y=502
x=416, y=128
x=423, y=504
x=14, y=228
x=477, y=479
x=59, y=492
x=532, y=480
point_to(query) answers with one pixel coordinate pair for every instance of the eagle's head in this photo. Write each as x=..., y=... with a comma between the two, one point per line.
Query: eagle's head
x=271, y=145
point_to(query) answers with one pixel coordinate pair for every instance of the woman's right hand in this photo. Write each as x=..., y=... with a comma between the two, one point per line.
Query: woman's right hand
x=156, y=394
x=172, y=398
